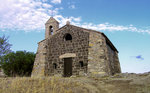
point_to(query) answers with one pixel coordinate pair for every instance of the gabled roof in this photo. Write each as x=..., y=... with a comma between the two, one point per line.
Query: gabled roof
x=107, y=40
x=51, y=20
x=89, y=30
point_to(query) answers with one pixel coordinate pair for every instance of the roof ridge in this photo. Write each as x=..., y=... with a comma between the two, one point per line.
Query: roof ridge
x=87, y=29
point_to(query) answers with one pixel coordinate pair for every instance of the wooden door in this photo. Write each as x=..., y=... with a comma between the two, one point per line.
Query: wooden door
x=67, y=67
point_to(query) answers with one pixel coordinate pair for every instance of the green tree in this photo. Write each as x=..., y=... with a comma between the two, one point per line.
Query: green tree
x=4, y=46
x=19, y=63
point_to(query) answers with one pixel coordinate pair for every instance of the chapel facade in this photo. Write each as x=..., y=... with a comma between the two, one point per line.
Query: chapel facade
x=71, y=51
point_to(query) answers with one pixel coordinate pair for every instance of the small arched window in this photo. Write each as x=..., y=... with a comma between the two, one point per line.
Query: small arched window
x=54, y=65
x=67, y=37
x=81, y=64
x=51, y=30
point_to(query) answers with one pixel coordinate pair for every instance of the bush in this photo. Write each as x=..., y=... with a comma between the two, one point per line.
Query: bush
x=18, y=63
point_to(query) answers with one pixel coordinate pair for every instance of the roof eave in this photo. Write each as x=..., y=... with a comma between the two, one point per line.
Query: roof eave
x=111, y=45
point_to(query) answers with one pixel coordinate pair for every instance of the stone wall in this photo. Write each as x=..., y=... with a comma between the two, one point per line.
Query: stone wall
x=110, y=59
x=113, y=61
x=87, y=46
x=102, y=59
x=117, y=63
x=97, y=54
x=58, y=48
x=39, y=63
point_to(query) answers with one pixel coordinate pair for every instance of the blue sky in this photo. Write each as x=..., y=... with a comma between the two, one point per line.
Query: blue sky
x=125, y=22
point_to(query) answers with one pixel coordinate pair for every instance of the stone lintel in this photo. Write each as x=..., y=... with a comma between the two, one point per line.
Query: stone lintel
x=66, y=55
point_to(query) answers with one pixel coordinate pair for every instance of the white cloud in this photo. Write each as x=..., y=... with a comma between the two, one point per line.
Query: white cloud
x=24, y=14
x=45, y=5
x=72, y=7
x=56, y=1
x=112, y=27
x=31, y=15
x=99, y=27
x=62, y=20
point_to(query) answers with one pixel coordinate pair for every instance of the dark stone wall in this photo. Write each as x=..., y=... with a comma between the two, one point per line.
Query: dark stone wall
x=113, y=61
x=57, y=46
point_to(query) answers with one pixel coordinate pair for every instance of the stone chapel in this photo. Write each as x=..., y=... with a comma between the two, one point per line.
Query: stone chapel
x=72, y=51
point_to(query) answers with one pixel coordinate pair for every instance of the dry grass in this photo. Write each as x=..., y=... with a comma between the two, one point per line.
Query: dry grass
x=37, y=85
x=116, y=84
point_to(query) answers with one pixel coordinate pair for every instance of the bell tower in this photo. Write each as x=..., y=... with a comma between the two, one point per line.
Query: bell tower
x=50, y=27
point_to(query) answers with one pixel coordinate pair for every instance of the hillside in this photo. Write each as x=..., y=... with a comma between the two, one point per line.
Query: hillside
x=119, y=83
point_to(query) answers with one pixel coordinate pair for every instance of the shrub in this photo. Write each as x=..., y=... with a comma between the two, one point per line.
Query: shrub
x=18, y=63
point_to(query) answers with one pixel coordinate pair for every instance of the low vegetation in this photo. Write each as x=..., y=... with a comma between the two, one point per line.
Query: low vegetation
x=19, y=63
x=120, y=83
x=38, y=85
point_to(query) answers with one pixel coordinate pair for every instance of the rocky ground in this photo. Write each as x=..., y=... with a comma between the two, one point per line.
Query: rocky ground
x=119, y=83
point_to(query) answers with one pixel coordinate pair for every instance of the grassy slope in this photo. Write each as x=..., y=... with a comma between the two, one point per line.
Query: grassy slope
x=121, y=83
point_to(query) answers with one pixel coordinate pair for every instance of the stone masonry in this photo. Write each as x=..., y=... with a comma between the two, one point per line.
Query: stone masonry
x=71, y=51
